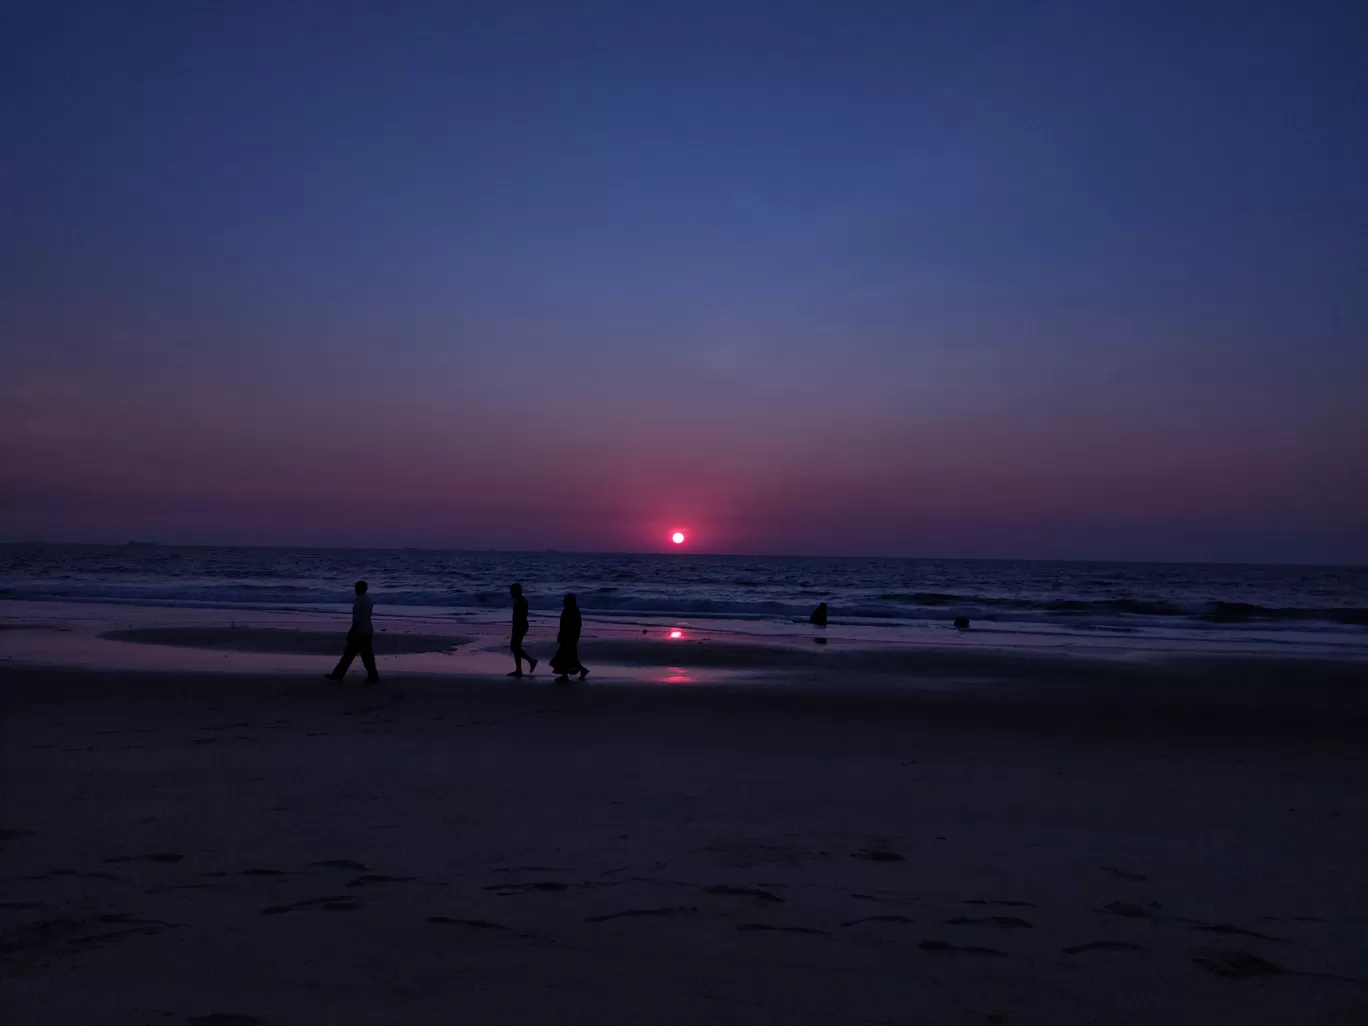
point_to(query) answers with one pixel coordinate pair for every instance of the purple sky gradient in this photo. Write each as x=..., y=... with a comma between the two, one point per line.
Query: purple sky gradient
x=977, y=279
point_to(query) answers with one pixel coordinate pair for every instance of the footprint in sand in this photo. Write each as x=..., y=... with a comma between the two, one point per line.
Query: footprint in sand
x=878, y=853
x=724, y=890
x=767, y=928
x=507, y=890
x=1130, y=910
x=159, y=856
x=1233, y=930
x=1293, y=919
x=74, y=935
x=946, y=946
x=330, y=903
x=1105, y=945
x=879, y=919
x=1125, y=874
x=1009, y=922
x=1003, y=902
x=1245, y=965
x=72, y=872
x=1236, y=965
x=744, y=855
x=477, y=924
x=642, y=913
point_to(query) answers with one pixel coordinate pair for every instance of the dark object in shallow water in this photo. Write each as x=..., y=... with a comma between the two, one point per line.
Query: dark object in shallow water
x=819, y=615
x=819, y=641
x=961, y=623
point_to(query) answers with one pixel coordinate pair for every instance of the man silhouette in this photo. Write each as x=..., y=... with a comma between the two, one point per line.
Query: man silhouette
x=359, y=639
x=519, y=632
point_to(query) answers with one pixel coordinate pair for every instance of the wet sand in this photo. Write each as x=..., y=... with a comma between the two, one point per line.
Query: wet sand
x=967, y=843
x=276, y=639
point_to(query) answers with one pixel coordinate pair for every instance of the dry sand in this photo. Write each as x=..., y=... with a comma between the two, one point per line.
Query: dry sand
x=1178, y=847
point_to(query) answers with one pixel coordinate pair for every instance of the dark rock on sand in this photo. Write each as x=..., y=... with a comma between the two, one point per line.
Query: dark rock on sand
x=961, y=623
x=819, y=615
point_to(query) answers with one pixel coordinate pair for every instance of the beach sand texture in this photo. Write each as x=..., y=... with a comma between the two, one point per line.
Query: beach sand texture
x=1023, y=846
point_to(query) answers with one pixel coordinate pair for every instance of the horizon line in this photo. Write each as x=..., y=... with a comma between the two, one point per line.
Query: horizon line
x=675, y=553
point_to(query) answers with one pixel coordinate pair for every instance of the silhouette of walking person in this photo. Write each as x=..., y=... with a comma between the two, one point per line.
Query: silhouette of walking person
x=566, y=660
x=360, y=639
x=520, y=632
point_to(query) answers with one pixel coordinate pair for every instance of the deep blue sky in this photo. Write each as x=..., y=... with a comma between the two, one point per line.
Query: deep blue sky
x=1055, y=279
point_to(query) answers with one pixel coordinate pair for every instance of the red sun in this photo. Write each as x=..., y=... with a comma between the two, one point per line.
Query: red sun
x=677, y=537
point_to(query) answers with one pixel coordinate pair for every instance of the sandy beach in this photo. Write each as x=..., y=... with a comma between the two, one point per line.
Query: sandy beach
x=959, y=839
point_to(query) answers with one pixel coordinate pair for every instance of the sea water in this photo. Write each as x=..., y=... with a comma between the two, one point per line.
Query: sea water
x=1293, y=610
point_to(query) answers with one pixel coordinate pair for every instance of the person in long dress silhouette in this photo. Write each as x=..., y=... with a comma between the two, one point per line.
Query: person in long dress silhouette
x=566, y=660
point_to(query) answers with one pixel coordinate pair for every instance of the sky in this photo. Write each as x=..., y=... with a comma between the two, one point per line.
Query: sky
x=1046, y=280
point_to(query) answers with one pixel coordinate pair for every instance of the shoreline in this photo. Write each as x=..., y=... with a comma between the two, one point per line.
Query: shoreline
x=126, y=636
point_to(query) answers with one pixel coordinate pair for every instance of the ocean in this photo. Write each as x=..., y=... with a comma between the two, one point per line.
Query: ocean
x=1294, y=610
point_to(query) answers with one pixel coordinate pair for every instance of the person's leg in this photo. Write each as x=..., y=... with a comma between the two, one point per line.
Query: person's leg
x=348, y=654
x=515, y=646
x=519, y=654
x=573, y=664
x=366, y=643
